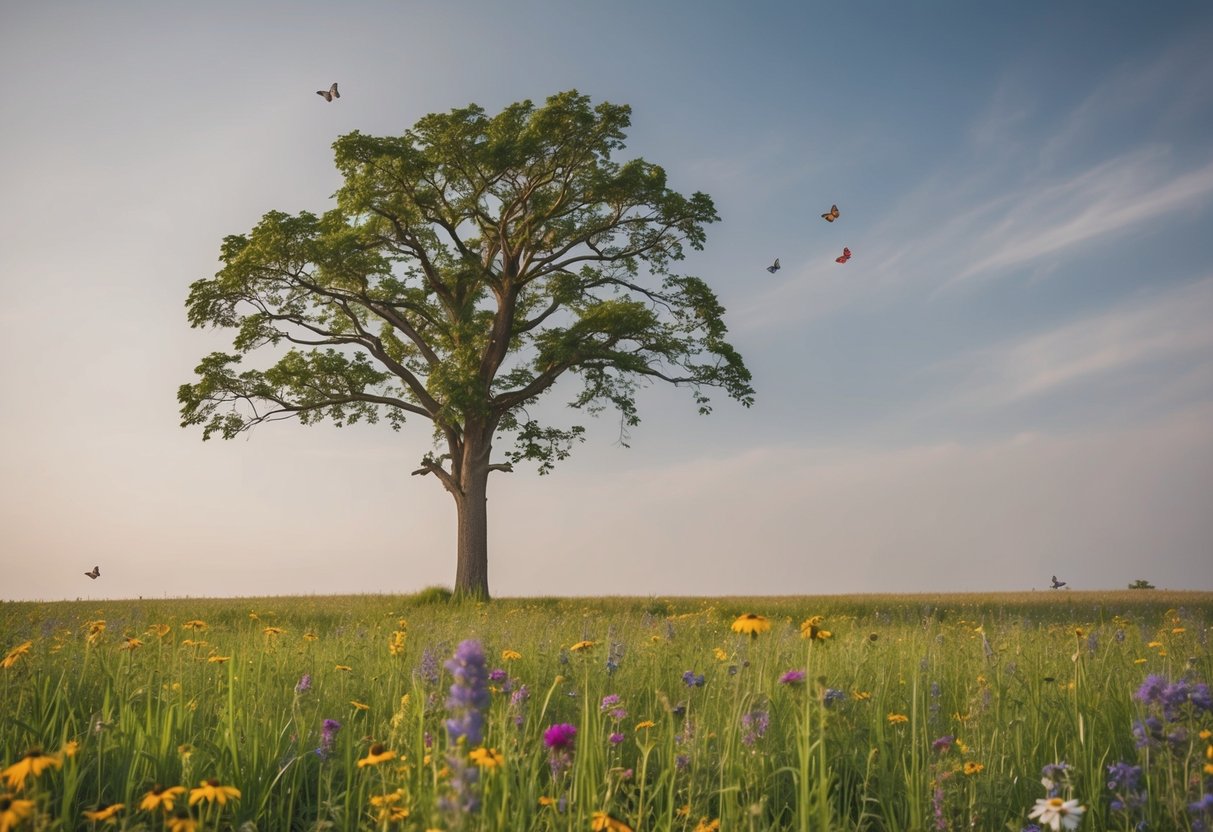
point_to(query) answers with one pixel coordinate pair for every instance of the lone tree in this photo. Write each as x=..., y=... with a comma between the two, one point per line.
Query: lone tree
x=468, y=265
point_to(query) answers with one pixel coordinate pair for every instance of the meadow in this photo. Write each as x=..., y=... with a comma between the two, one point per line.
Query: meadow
x=879, y=713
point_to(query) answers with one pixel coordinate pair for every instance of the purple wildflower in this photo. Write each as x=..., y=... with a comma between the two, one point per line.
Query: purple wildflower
x=609, y=701
x=1052, y=776
x=792, y=677
x=328, y=738
x=560, y=736
x=754, y=726
x=497, y=675
x=692, y=680
x=943, y=744
x=1151, y=689
x=305, y=683
x=615, y=738
x=682, y=762
x=833, y=696
x=1124, y=781
x=618, y=714
x=427, y=668
x=469, y=694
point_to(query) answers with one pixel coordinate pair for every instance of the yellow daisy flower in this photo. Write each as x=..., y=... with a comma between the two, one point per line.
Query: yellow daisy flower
x=720, y=654
x=897, y=719
x=181, y=821
x=195, y=624
x=811, y=629
x=131, y=643
x=602, y=822
x=105, y=813
x=159, y=630
x=273, y=631
x=544, y=800
x=361, y=706
x=33, y=763
x=861, y=695
x=375, y=755
x=13, y=811
x=972, y=768
x=487, y=757
x=161, y=797
x=582, y=646
x=217, y=659
x=212, y=791
x=751, y=624
x=645, y=724
x=706, y=825
x=16, y=653
x=70, y=748
x=343, y=667
x=510, y=655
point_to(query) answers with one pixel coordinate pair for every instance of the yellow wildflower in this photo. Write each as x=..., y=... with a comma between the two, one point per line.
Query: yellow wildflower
x=489, y=758
x=217, y=659
x=13, y=811
x=375, y=755
x=602, y=822
x=33, y=763
x=212, y=791
x=706, y=825
x=582, y=646
x=720, y=654
x=105, y=813
x=273, y=631
x=510, y=655
x=751, y=624
x=360, y=706
x=897, y=719
x=161, y=797
x=16, y=653
x=195, y=624
x=645, y=724
x=131, y=643
x=972, y=768
x=343, y=667
x=861, y=695
x=159, y=630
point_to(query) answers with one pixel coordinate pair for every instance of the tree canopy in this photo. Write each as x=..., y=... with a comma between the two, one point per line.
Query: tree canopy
x=467, y=266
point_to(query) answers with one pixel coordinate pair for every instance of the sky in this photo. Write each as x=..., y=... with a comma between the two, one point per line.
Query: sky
x=1012, y=378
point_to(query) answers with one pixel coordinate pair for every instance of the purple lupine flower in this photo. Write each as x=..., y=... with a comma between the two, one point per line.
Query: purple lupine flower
x=792, y=677
x=615, y=738
x=518, y=700
x=943, y=744
x=305, y=683
x=427, y=668
x=469, y=694
x=328, y=738
x=692, y=680
x=1151, y=689
x=609, y=701
x=1199, y=696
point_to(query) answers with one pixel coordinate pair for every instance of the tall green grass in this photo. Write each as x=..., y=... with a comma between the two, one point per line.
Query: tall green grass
x=1018, y=682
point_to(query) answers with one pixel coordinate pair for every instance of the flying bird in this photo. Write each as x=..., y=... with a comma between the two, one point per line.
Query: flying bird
x=1057, y=584
x=330, y=93
x=95, y=574
x=846, y=255
x=774, y=267
x=831, y=215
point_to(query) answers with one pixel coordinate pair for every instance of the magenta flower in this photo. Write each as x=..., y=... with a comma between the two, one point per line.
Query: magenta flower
x=560, y=736
x=616, y=738
x=792, y=677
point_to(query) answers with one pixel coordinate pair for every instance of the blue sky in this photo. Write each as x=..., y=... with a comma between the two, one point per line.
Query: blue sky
x=1012, y=377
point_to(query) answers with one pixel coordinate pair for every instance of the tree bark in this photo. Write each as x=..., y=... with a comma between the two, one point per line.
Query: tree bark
x=472, y=536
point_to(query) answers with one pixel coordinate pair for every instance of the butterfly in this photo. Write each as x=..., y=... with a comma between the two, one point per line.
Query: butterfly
x=330, y=93
x=831, y=215
x=774, y=267
x=95, y=574
x=1057, y=583
x=846, y=255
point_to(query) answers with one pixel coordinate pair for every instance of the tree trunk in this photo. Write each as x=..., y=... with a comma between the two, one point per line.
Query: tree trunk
x=472, y=539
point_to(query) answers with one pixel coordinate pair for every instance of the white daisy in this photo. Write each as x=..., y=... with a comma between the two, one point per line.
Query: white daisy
x=1057, y=813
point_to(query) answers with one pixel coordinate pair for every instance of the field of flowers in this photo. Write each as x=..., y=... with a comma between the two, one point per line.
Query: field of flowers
x=1055, y=710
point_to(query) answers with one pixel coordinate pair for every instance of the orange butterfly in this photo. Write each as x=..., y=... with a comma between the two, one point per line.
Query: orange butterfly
x=846, y=255
x=95, y=574
x=831, y=215
x=330, y=93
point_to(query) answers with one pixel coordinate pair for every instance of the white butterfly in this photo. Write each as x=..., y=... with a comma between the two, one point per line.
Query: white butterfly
x=774, y=267
x=330, y=93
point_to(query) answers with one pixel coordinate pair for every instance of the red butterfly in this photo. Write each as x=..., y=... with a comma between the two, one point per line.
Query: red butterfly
x=846, y=255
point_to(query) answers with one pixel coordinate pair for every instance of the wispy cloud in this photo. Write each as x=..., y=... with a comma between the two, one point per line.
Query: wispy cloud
x=1167, y=327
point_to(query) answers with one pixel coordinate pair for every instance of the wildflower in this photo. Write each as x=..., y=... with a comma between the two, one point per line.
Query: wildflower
x=645, y=724
x=706, y=825
x=560, y=735
x=544, y=800
x=344, y=668
x=360, y=706
x=897, y=719
x=811, y=629
x=70, y=748
x=692, y=680
x=861, y=695
x=833, y=695
x=792, y=677
x=195, y=625
x=304, y=684
x=328, y=738
x=489, y=758
x=943, y=744
x=131, y=643
x=181, y=821
x=395, y=645
x=96, y=629
x=13, y=811
x=721, y=655
x=273, y=631
x=754, y=726
x=159, y=630
x=615, y=738
x=161, y=797
x=609, y=701
x=582, y=646
x=510, y=655
x=602, y=822
x=217, y=659
x=1058, y=813
x=1052, y=775
x=310, y=635
x=34, y=762
x=375, y=755
x=1124, y=781
x=751, y=624
x=972, y=768
x=469, y=694
x=105, y=813
x=212, y=791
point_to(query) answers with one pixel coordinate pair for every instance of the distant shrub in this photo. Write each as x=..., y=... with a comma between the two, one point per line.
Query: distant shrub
x=1141, y=583
x=432, y=595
